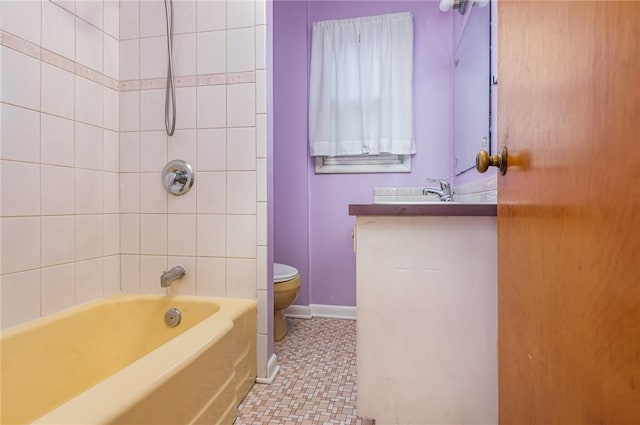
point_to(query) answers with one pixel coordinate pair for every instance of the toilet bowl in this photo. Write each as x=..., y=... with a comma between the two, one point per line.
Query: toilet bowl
x=286, y=285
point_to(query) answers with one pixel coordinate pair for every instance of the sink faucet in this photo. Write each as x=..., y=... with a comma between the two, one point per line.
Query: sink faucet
x=167, y=278
x=444, y=193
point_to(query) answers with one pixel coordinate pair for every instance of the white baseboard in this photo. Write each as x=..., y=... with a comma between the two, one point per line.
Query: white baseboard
x=273, y=368
x=321, y=310
x=298, y=312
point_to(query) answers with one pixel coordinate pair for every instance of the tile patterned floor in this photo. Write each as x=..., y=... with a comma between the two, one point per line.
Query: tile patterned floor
x=317, y=379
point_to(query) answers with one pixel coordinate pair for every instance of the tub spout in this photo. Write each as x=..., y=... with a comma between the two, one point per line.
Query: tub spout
x=167, y=278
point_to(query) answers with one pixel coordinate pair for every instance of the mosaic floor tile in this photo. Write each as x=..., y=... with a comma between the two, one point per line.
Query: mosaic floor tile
x=317, y=379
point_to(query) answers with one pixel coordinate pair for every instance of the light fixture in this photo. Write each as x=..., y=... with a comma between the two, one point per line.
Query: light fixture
x=461, y=5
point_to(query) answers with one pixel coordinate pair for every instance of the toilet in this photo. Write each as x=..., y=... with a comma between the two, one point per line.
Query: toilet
x=286, y=285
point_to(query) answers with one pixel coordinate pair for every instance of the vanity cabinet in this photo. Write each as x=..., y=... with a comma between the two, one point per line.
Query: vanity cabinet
x=426, y=317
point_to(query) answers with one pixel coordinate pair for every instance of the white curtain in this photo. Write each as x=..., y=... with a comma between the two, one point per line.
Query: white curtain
x=361, y=86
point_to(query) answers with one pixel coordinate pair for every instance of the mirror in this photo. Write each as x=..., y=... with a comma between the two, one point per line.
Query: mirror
x=472, y=90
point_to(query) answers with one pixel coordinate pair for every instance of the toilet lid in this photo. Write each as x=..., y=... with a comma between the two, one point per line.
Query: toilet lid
x=283, y=272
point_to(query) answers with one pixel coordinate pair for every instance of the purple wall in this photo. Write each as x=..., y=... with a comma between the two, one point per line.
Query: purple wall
x=312, y=225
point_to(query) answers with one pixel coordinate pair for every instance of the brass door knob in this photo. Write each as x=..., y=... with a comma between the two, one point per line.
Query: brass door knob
x=484, y=161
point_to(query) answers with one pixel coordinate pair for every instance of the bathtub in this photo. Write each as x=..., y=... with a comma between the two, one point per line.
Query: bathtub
x=115, y=361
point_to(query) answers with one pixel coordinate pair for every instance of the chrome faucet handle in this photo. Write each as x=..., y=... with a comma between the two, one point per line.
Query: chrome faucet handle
x=445, y=186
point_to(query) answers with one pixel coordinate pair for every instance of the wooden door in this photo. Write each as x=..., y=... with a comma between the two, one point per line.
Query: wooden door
x=569, y=212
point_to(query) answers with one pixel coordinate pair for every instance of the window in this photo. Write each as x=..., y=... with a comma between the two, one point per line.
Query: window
x=361, y=94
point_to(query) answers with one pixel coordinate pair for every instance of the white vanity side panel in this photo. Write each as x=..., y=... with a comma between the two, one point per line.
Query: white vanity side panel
x=427, y=320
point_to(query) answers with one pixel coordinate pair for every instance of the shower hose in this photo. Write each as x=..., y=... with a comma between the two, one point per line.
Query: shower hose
x=170, y=95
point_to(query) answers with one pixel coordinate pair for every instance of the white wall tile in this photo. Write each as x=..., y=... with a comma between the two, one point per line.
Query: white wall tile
x=261, y=265
x=130, y=273
x=57, y=240
x=212, y=112
x=241, y=149
x=20, y=298
x=58, y=30
x=57, y=190
x=211, y=15
x=19, y=134
x=111, y=275
x=241, y=192
x=241, y=50
x=20, y=244
x=261, y=12
x=130, y=111
x=184, y=15
x=212, y=52
x=241, y=278
x=261, y=354
x=89, y=192
x=111, y=109
x=186, y=115
x=153, y=197
x=261, y=47
x=241, y=236
x=112, y=18
x=89, y=236
x=211, y=235
x=129, y=19
x=129, y=54
x=241, y=101
x=111, y=237
x=212, y=149
x=261, y=135
x=261, y=223
x=152, y=109
x=187, y=284
x=153, y=234
x=89, y=280
x=111, y=193
x=184, y=54
x=89, y=43
x=261, y=180
x=91, y=11
x=111, y=142
x=58, y=288
x=184, y=204
x=181, y=234
x=89, y=147
x=20, y=192
x=111, y=58
x=261, y=92
x=57, y=140
x=68, y=5
x=211, y=274
x=20, y=79
x=240, y=13
x=130, y=233
x=152, y=18
x=129, y=152
x=129, y=192
x=88, y=102
x=153, y=150
x=212, y=193
x=153, y=57
x=183, y=146
x=21, y=18
x=151, y=267
x=57, y=90
x=262, y=327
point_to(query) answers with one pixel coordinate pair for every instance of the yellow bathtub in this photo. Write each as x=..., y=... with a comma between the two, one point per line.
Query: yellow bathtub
x=115, y=361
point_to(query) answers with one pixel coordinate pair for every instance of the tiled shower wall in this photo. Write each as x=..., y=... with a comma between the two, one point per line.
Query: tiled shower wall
x=83, y=210
x=59, y=156
x=218, y=230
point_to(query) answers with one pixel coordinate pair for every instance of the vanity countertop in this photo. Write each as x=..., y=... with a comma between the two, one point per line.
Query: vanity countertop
x=425, y=209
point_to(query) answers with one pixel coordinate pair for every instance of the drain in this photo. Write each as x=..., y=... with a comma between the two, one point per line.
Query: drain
x=172, y=317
